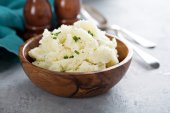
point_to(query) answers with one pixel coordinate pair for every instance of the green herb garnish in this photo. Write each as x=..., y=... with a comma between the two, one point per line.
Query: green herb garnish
x=71, y=56
x=76, y=52
x=76, y=38
x=90, y=33
x=54, y=35
x=65, y=57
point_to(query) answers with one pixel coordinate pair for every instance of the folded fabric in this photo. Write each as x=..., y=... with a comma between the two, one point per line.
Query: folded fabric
x=11, y=20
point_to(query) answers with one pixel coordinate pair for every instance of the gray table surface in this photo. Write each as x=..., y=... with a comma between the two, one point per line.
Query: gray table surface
x=142, y=90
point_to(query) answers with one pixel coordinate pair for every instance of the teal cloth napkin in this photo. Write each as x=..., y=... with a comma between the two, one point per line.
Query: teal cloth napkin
x=11, y=20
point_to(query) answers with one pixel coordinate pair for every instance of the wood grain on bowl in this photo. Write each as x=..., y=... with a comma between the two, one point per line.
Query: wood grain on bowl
x=75, y=84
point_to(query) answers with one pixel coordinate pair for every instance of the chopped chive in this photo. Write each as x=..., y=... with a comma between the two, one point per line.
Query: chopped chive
x=54, y=35
x=65, y=57
x=57, y=33
x=76, y=52
x=71, y=56
x=76, y=38
x=90, y=33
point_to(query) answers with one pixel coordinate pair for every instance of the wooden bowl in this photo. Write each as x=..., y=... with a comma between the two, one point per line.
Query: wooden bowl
x=75, y=84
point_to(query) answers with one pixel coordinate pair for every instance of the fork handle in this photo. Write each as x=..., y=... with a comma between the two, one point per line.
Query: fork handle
x=138, y=39
x=149, y=59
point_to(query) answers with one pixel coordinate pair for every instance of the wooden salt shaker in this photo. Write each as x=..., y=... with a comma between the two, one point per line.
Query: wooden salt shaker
x=67, y=11
x=37, y=15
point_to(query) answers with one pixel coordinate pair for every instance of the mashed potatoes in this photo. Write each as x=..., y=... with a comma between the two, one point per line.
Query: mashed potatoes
x=78, y=48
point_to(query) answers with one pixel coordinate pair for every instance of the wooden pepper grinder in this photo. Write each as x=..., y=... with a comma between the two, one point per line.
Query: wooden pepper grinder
x=67, y=11
x=37, y=15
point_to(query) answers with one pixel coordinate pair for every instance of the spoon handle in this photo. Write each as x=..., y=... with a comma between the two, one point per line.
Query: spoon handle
x=149, y=59
x=138, y=39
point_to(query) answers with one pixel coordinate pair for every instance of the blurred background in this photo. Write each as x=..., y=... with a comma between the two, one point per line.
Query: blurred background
x=143, y=90
x=149, y=19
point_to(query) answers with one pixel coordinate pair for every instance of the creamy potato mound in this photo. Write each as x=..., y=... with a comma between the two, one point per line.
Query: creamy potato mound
x=81, y=47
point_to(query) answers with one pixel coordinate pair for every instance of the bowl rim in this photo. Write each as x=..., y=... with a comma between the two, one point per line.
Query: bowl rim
x=23, y=58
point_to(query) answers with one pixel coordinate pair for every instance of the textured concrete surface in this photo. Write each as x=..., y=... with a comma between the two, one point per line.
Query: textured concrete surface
x=142, y=90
